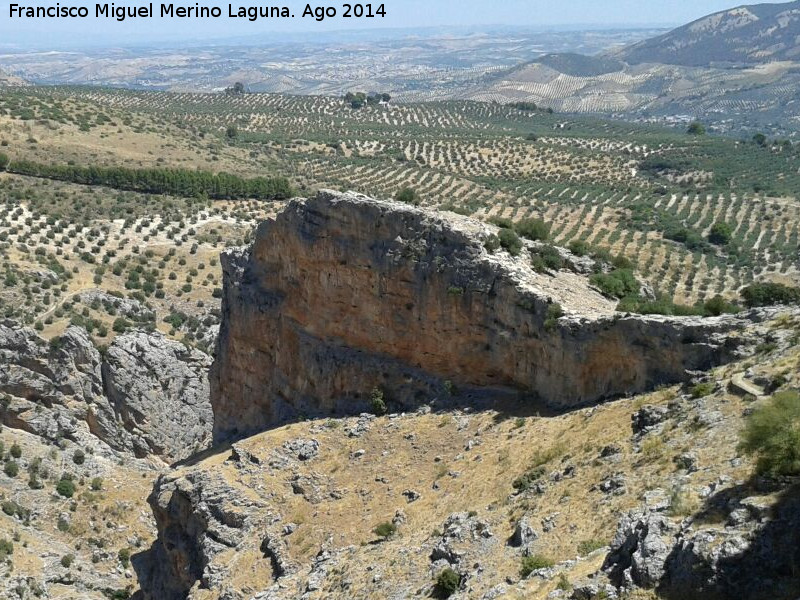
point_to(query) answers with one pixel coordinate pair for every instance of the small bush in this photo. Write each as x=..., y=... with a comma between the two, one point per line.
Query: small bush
x=502, y=222
x=701, y=390
x=407, y=195
x=65, y=487
x=534, y=563
x=554, y=313
x=772, y=435
x=546, y=258
x=66, y=560
x=720, y=234
x=525, y=481
x=6, y=548
x=510, y=241
x=588, y=546
x=492, y=243
x=579, y=248
x=97, y=484
x=15, y=450
x=447, y=583
x=78, y=457
x=377, y=402
x=11, y=469
x=717, y=306
x=124, y=556
x=766, y=294
x=533, y=229
x=696, y=128
x=385, y=530
x=62, y=524
x=616, y=284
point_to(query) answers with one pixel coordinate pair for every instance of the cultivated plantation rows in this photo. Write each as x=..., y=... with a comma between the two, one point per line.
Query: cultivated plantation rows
x=652, y=195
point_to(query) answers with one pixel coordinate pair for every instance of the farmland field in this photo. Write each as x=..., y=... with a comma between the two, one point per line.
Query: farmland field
x=113, y=254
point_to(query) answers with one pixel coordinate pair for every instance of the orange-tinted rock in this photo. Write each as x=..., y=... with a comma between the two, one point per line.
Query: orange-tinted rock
x=343, y=294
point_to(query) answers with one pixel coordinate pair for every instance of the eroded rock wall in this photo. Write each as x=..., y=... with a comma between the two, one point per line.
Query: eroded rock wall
x=342, y=294
x=148, y=395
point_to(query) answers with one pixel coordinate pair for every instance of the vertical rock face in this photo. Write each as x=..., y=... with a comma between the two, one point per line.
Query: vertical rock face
x=148, y=395
x=159, y=391
x=343, y=294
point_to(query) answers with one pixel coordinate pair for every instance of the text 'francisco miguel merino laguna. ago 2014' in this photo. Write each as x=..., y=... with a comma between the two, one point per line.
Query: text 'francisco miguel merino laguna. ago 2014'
x=192, y=11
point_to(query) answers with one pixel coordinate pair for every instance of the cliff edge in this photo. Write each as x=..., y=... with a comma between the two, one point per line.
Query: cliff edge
x=342, y=295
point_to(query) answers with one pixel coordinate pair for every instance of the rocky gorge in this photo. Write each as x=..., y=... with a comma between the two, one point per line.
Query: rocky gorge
x=393, y=397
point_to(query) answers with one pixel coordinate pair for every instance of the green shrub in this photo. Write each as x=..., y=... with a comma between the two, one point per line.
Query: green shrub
x=588, y=546
x=3, y=161
x=447, y=583
x=407, y=195
x=720, y=234
x=66, y=560
x=66, y=487
x=15, y=450
x=6, y=548
x=579, y=248
x=78, y=457
x=510, y=241
x=696, y=128
x=554, y=313
x=492, y=243
x=701, y=390
x=765, y=294
x=772, y=435
x=11, y=469
x=124, y=556
x=533, y=563
x=377, y=402
x=616, y=284
x=97, y=484
x=546, y=258
x=718, y=306
x=533, y=229
x=502, y=222
x=385, y=530
x=563, y=583
x=525, y=481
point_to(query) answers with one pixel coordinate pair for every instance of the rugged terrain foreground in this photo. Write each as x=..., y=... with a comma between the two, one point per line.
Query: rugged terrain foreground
x=485, y=464
x=398, y=400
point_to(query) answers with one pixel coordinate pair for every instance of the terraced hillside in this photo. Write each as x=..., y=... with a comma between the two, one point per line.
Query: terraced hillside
x=652, y=195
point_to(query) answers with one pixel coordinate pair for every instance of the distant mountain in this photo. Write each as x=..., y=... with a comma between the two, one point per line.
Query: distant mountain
x=580, y=65
x=7, y=80
x=753, y=34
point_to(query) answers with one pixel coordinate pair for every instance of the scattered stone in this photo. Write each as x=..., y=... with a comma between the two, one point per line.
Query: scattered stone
x=411, y=495
x=523, y=534
x=302, y=450
x=648, y=418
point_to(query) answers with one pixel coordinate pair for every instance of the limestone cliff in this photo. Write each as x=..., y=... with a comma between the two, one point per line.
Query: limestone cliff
x=343, y=294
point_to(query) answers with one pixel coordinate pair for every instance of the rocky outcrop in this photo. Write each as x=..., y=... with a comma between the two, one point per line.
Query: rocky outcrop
x=343, y=294
x=148, y=395
x=752, y=554
x=198, y=516
x=159, y=391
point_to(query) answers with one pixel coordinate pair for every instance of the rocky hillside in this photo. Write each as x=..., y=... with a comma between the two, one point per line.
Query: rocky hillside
x=486, y=466
x=752, y=34
x=343, y=298
x=631, y=498
x=84, y=433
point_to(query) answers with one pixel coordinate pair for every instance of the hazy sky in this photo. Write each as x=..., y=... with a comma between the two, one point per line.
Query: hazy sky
x=399, y=13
